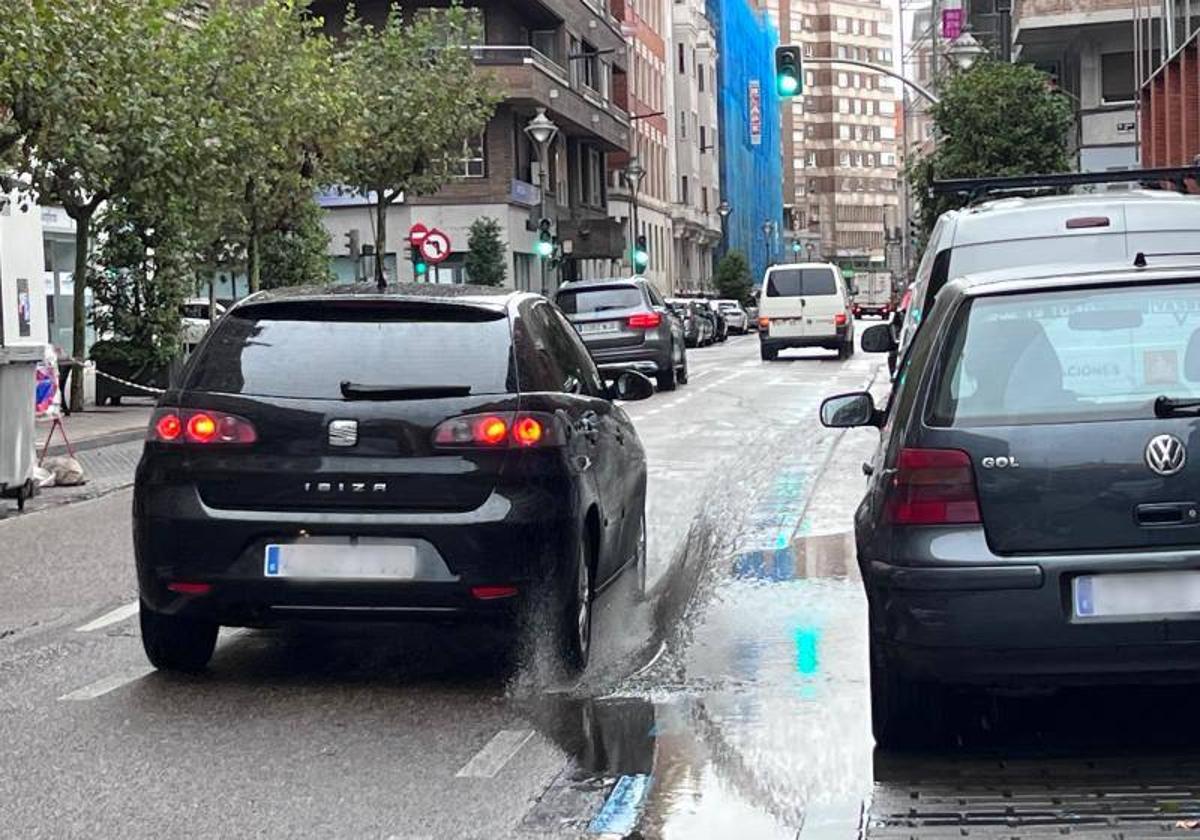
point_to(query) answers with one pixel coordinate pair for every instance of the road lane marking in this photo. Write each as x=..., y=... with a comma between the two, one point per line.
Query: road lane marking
x=110, y=683
x=112, y=617
x=623, y=808
x=490, y=760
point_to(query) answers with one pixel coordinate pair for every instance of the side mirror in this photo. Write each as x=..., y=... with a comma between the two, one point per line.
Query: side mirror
x=878, y=339
x=847, y=411
x=631, y=386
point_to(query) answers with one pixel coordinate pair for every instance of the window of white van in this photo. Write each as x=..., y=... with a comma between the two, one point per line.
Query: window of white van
x=801, y=282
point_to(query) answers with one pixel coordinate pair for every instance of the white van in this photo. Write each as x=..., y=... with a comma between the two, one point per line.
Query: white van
x=804, y=305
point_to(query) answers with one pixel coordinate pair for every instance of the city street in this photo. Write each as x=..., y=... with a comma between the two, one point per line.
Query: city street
x=729, y=699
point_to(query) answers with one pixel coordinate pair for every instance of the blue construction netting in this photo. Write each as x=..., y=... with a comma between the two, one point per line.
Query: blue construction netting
x=751, y=173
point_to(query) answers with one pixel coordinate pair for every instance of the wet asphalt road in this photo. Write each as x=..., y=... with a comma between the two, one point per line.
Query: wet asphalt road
x=727, y=697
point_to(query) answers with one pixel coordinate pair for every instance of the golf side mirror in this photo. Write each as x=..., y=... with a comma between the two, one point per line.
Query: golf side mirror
x=848, y=411
x=878, y=339
x=631, y=386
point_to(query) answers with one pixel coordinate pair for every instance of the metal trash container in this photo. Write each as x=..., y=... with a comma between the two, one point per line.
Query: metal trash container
x=18, y=378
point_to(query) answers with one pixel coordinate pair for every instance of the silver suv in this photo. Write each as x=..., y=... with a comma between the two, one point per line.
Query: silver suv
x=627, y=325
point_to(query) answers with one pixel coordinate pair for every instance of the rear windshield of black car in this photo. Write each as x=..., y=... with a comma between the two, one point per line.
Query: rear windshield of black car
x=307, y=350
x=801, y=282
x=600, y=299
x=1070, y=356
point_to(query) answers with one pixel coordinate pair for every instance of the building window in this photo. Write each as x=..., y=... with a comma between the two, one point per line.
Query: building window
x=591, y=66
x=704, y=199
x=683, y=190
x=595, y=177
x=682, y=63
x=844, y=160
x=700, y=78
x=843, y=106
x=845, y=132
x=683, y=125
x=811, y=159
x=703, y=140
x=1116, y=78
x=887, y=159
x=471, y=164
x=843, y=79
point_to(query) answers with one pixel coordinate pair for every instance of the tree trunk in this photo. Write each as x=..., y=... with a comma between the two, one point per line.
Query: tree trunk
x=253, y=260
x=79, y=306
x=381, y=208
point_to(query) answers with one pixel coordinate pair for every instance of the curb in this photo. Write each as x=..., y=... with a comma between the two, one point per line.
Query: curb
x=100, y=441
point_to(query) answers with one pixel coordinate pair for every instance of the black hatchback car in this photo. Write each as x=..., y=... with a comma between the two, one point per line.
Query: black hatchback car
x=426, y=452
x=1032, y=518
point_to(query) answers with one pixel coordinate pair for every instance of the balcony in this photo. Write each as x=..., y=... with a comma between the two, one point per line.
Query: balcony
x=532, y=78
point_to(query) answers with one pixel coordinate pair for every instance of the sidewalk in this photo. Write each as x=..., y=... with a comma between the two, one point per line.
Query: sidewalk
x=100, y=426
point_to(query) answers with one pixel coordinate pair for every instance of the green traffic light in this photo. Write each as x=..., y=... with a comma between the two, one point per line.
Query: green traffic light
x=420, y=268
x=544, y=248
x=641, y=258
x=787, y=84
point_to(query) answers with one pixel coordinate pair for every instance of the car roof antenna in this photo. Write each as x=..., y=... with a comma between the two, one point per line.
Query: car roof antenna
x=1140, y=260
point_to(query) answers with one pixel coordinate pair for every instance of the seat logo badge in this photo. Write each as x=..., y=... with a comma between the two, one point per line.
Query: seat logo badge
x=1002, y=462
x=1166, y=454
x=343, y=432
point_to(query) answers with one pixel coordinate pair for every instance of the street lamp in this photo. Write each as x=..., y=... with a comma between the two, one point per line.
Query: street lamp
x=634, y=174
x=768, y=227
x=542, y=131
x=965, y=50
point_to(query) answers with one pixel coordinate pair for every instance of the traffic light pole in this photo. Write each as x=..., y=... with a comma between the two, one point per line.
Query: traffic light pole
x=878, y=68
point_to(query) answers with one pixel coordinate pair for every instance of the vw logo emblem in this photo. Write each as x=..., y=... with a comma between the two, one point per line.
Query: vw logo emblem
x=1166, y=454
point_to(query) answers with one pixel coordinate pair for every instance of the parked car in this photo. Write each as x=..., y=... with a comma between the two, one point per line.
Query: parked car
x=424, y=464
x=752, y=315
x=1030, y=519
x=697, y=325
x=1012, y=232
x=705, y=311
x=735, y=316
x=805, y=305
x=722, y=324
x=627, y=325
x=195, y=318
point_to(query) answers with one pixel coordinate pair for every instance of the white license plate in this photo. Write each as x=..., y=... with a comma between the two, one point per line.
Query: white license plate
x=1137, y=596
x=341, y=561
x=598, y=327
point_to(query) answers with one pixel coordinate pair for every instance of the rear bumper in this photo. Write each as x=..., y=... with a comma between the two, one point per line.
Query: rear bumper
x=507, y=541
x=1010, y=624
x=644, y=358
x=829, y=340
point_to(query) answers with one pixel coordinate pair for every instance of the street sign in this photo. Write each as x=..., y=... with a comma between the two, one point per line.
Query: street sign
x=755, y=99
x=434, y=245
x=416, y=233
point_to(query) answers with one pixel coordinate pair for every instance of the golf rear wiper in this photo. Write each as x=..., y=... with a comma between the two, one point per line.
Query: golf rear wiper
x=1168, y=407
x=358, y=391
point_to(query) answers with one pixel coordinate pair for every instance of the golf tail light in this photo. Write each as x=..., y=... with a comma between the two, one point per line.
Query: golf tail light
x=645, y=320
x=199, y=426
x=497, y=431
x=933, y=487
x=839, y=320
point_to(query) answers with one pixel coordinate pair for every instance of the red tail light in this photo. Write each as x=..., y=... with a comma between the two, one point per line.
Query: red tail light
x=187, y=588
x=764, y=323
x=189, y=425
x=492, y=593
x=645, y=320
x=934, y=487
x=497, y=431
x=839, y=320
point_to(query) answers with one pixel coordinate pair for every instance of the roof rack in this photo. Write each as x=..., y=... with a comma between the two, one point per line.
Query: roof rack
x=977, y=188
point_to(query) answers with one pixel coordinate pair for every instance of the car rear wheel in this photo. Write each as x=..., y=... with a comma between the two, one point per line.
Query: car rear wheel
x=682, y=375
x=905, y=714
x=666, y=377
x=177, y=643
x=769, y=354
x=575, y=618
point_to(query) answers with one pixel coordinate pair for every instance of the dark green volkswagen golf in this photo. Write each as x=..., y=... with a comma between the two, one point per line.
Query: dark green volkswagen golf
x=1032, y=517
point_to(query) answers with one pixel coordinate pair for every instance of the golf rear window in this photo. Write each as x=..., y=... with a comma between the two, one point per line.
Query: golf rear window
x=601, y=299
x=801, y=282
x=1070, y=356
x=307, y=350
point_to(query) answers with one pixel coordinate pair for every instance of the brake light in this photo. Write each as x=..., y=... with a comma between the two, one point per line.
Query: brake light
x=1088, y=222
x=187, y=425
x=839, y=320
x=492, y=593
x=497, y=431
x=187, y=588
x=764, y=323
x=645, y=320
x=934, y=487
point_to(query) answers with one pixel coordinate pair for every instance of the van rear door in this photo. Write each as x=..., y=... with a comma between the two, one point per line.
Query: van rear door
x=802, y=301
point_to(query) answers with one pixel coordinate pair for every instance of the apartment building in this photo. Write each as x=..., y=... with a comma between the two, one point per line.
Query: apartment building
x=839, y=137
x=565, y=56
x=1170, y=97
x=696, y=226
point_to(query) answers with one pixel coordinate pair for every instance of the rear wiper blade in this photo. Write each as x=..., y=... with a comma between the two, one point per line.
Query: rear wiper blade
x=359, y=391
x=1168, y=407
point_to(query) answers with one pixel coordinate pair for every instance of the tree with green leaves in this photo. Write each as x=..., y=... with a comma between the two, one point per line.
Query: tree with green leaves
x=486, y=253
x=299, y=253
x=993, y=120
x=421, y=100
x=732, y=277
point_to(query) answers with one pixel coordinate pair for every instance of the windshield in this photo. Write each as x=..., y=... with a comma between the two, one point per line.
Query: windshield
x=601, y=299
x=1071, y=356
x=801, y=282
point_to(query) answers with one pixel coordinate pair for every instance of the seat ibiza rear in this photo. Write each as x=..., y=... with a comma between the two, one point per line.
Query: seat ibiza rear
x=1033, y=517
x=411, y=454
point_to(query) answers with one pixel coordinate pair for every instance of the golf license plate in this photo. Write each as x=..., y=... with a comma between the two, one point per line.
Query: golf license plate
x=345, y=560
x=598, y=327
x=1137, y=596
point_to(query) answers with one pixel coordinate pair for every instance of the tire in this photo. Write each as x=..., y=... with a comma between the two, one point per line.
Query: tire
x=905, y=714
x=176, y=643
x=666, y=379
x=681, y=375
x=769, y=354
x=843, y=352
x=575, y=615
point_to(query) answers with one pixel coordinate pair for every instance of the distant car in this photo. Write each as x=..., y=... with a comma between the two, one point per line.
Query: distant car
x=698, y=328
x=704, y=311
x=735, y=316
x=722, y=323
x=1030, y=517
x=345, y=453
x=752, y=314
x=627, y=325
x=805, y=305
x=195, y=320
